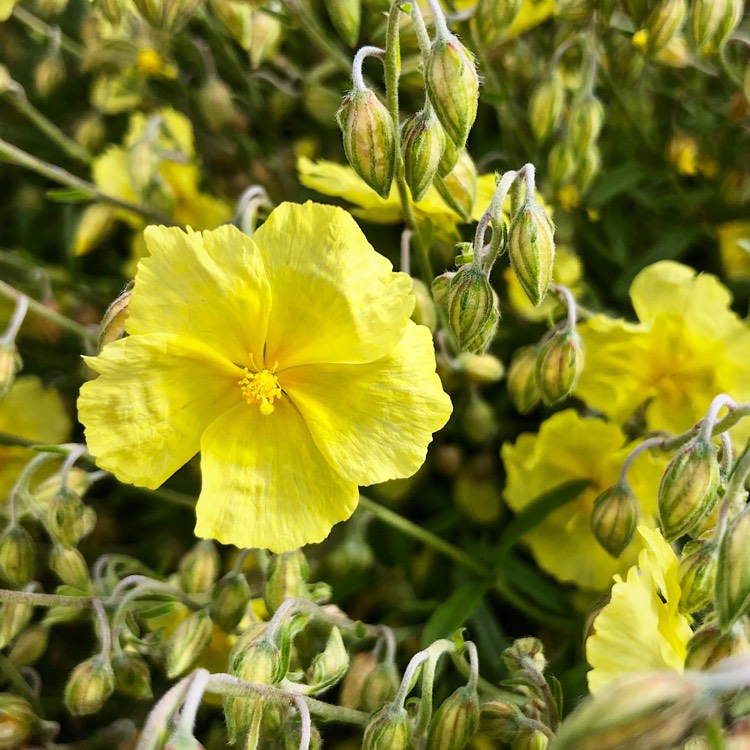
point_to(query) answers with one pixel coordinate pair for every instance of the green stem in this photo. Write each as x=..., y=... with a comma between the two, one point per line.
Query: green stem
x=36, y=24
x=50, y=600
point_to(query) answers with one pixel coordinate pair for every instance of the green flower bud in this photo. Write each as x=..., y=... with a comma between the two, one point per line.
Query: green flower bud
x=732, y=591
x=712, y=21
x=503, y=718
x=217, y=104
x=29, y=646
x=14, y=617
x=478, y=421
x=380, y=686
x=346, y=17
x=424, y=312
x=662, y=24
x=112, y=326
x=546, y=106
x=199, y=567
x=697, y=574
x=166, y=15
x=264, y=37
x=523, y=388
x=369, y=140
x=588, y=168
x=17, y=555
x=614, y=518
x=452, y=86
x=132, y=675
x=561, y=163
x=481, y=368
x=66, y=517
x=688, y=489
x=422, y=144
x=531, y=250
x=449, y=159
x=49, y=74
x=70, y=567
x=388, y=729
x=585, y=123
x=243, y=717
x=459, y=188
x=89, y=686
x=286, y=578
x=494, y=17
x=709, y=645
x=558, y=366
x=440, y=288
x=258, y=661
x=525, y=653
x=456, y=721
x=531, y=739
x=331, y=664
x=17, y=721
x=111, y=10
x=188, y=642
x=473, y=310
x=10, y=365
x=230, y=598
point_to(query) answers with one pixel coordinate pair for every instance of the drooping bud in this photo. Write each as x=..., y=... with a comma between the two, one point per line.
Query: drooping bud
x=70, y=567
x=346, y=17
x=10, y=365
x=29, y=646
x=17, y=555
x=712, y=21
x=113, y=323
x=473, y=309
x=614, y=517
x=453, y=86
x=17, y=720
x=286, y=577
x=558, y=365
x=424, y=312
x=388, y=729
x=456, y=721
x=523, y=387
x=697, y=573
x=329, y=666
x=14, y=617
x=546, y=106
x=230, y=598
x=188, y=642
x=132, y=675
x=216, y=103
x=709, y=645
x=199, y=567
x=585, y=122
x=531, y=250
x=588, y=168
x=380, y=686
x=481, y=368
x=732, y=591
x=440, y=288
x=422, y=144
x=49, y=74
x=66, y=517
x=662, y=24
x=688, y=489
x=459, y=188
x=449, y=159
x=369, y=140
x=89, y=686
x=503, y=718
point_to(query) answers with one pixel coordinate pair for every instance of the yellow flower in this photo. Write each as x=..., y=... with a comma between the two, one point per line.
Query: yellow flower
x=531, y=14
x=288, y=360
x=569, y=447
x=734, y=247
x=168, y=137
x=31, y=411
x=688, y=347
x=641, y=628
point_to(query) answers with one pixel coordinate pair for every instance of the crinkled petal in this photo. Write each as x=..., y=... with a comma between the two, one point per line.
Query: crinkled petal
x=154, y=397
x=209, y=286
x=266, y=484
x=334, y=298
x=374, y=421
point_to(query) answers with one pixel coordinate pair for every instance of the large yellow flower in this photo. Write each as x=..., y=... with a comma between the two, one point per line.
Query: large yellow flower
x=688, y=347
x=568, y=447
x=641, y=628
x=288, y=360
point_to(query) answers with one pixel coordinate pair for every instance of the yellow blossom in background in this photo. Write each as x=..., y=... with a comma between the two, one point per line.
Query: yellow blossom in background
x=641, y=628
x=29, y=410
x=289, y=360
x=569, y=447
x=530, y=14
x=687, y=348
x=734, y=248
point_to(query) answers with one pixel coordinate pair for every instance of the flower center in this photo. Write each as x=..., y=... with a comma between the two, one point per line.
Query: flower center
x=261, y=388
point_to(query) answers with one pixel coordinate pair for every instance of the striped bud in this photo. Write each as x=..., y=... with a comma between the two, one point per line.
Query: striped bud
x=369, y=140
x=17, y=721
x=113, y=323
x=132, y=675
x=614, y=518
x=230, y=598
x=504, y=719
x=70, y=567
x=66, y=517
x=546, y=106
x=473, y=309
x=449, y=159
x=459, y=188
x=89, y=686
x=440, y=288
x=732, y=590
x=523, y=388
x=558, y=365
x=561, y=163
x=422, y=144
x=388, y=729
x=531, y=250
x=286, y=577
x=346, y=17
x=709, y=645
x=662, y=25
x=29, y=646
x=199, y=567
x=17, y=555
x=585, y=122
x=697, y=574
x=687, y=492
x=452, y=86
x=379, y=686
x=14, y=617
x=188, y=642
x=712, y=21
x=456, y=721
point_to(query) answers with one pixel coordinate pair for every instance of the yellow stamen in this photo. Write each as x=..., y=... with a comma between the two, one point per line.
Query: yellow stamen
x=261, y=388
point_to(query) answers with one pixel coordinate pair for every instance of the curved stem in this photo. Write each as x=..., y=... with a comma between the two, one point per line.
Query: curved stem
x=104, y=630
x=410, y=674
x=570, y=302
x=193, y=699
x=441, y=24
x=423, y=37
x=435, y=650
x=653, y=442
x=19, y=315
x=76, y=451
x=156, y=723
x=717, y=405
x=21, y=487
x=357, y=79
x=305, y=723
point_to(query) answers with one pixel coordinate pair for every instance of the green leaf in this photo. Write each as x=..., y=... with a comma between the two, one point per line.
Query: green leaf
x=615, y=182
x=69, y=195
x=536, y=586
x=557, y=694
x=454, y=611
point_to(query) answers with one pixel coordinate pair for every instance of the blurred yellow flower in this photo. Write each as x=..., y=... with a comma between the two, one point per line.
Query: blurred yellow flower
x=289, y=360
x=687, y=348
x=734, y=248
x=31, y=411
x=530, y=14
x=641, y=628
x=568, y=447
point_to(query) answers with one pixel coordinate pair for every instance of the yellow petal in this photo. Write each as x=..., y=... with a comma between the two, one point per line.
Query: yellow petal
x=154, y=396
x=32, y=411
x=334, y=298
x=374, y=421
x=210, y=287
x=265, y=483
x=112, y=175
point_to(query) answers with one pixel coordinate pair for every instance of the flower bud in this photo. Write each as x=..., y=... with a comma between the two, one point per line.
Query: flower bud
x=523, y=387
x=17, y=555
x=66, y=521
x=113, y=323
x=449, y=159
x=286, y=578
x=614, y=518
x=452, y=86
x=89, y=686
x=230, y=598
x=588, y=168
x=688, y=489
x=422, y=144
x=561, y=163
x=503, y=718
x=388, y=729
x=546, y=107
x=111, y=10
x=29, y=646
x=216, y=103
x=712, y=21
x=530, y=739
x=585, y=123
x=360, y=666
x=456, y=721
x=645, y=710
x=166, y=15
x=709, y=645
x=265, y=36
x=493, y=18
x=188, y=642
x=17, y=721
x=293, y=735
x=132, y=675
x=70, y=567
x=380, y=686
x=662, y=24
x=473, y=310
x=478, y=421
x=440, y=288
x=424, y=312
x=14, y=617
x=481, y=368
x=346, y=17
x=331, y=664
x=525, y=653
x=199, y=567
x=531, y=250
x=732, y=591
x=459, y=188
x=10, y=365
x=49, y=74
x=558, y=365
x=697, y=573
x=369, y=140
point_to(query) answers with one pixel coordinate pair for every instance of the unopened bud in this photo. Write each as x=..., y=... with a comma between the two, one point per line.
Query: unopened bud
x=473, y=310
x=216, y=103
x=188, y=642
x=49, y=74
x=331, y=664
x=531, y=250
x=712, y=22
x=614, y=518
x=494, y=18
x=14, y=617
x=546, y=106
x=70, y=567
x=531, y=739
x=503, y=718
x=293, y=735
x=561, y=163
x=230, y=598
x=29, y=646
x=525, y=653
x=662, y=24
x=481, y=368
x=17, y=721
x=449, y=159
x=346, y=17
x=132, y=675
x=453, y=87
x=558, y=366
x=264, y=38
x=688, y=489
x=459, y=188
x=10, y=365
x=111, y=10
x=286, y=578
x=17, y=555
x=166, y=15
x=709, y=645
x=388, y=729
x=732, y=592
x=113, y=323
x=424, y=312
x=422, y=144
x=456, y=721
x=523, y=387
x=66, y=517
x=588, y=168
x=199, y=567
x=369, y=140
x=697, y=573
x=380, y=686
x=441, y=287
x=89, y=686
x=585, y=122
